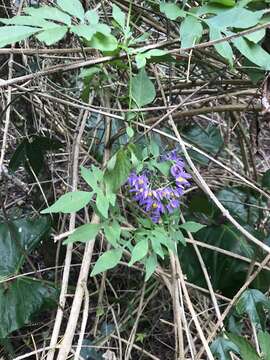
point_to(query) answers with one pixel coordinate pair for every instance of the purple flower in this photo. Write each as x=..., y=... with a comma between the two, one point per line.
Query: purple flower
x=157, y=202
x=172, y=205
x=172, y=155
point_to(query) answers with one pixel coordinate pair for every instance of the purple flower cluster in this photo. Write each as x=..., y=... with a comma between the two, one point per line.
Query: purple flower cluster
x=164, y=199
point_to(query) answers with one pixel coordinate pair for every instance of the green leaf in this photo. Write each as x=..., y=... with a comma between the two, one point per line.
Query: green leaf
x=50, y=13
x=12, y=34
x=102, y=204
x=150, y=266
x=117, y=176
x=142, y=57
x=26, y=20
x=111, y=163
x=119, y=16
x=91, y=177
x=264, y=341
x=157, y=248
x=111, y=197
x=72, y=7
x=139, y=251
x=163, y=167
x=89, y=73
x=103, y=42
x=191, y=31
x=142, y=89
x=236, y=199
x=224, y=49
x=51, y=36
x=171, y=10
x=18, y=157
x=266, y=179
x=20, y=299
x=208, y=139
x=253, y=52
x=92, y=17
x=256, y=36
x=240, y=18
x=70, y=202
x=33, y=151
x=192, y=226
x=107, y=261
x=18, y=238
x=140, y=60
x=221, y=348
x=228, y=3
x=161, y=235
x=227, y=274
x=178, y=236
x=130, y=132
x=251, y=302
x=154, y=148
x=83, y=233
x=85, y=31
x=246, y=350
x=112, y=232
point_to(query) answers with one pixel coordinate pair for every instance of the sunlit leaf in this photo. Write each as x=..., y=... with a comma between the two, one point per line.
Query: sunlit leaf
x=70, y=202
x=72, y=7
x=107, y=261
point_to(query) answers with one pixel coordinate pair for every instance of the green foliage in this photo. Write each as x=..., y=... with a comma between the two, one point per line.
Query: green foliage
x=72, y=7
x=22, y=297
x=224, y=49
x=253, y=52
x=222, y=347
x=103, y=42
x=190, y=31
x=12, y=34
x=228, y=3
x=20, y=300
x=139, y=251
x=17, y=238
x=246, y=350
x=36, y=23
x=118, y=169
x=107, y=261
x=171, y=10
x=119, y=16
x=70, y=202
x=52, y=35
x=112, y=232
x=264, y=341
x=49, y=13
x=142, y=89
x=266, y=179
x=84, y=233
x=192, y=226
x=141, y=58
x=102, y=203
x=146, y=242
x=239, y=18
x=33, y=150
x=252, y=302
x=227, y=274
x=150, y=266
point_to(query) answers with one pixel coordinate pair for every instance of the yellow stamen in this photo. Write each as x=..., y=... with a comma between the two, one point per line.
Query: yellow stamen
x=155, y=205
x=180, y=179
